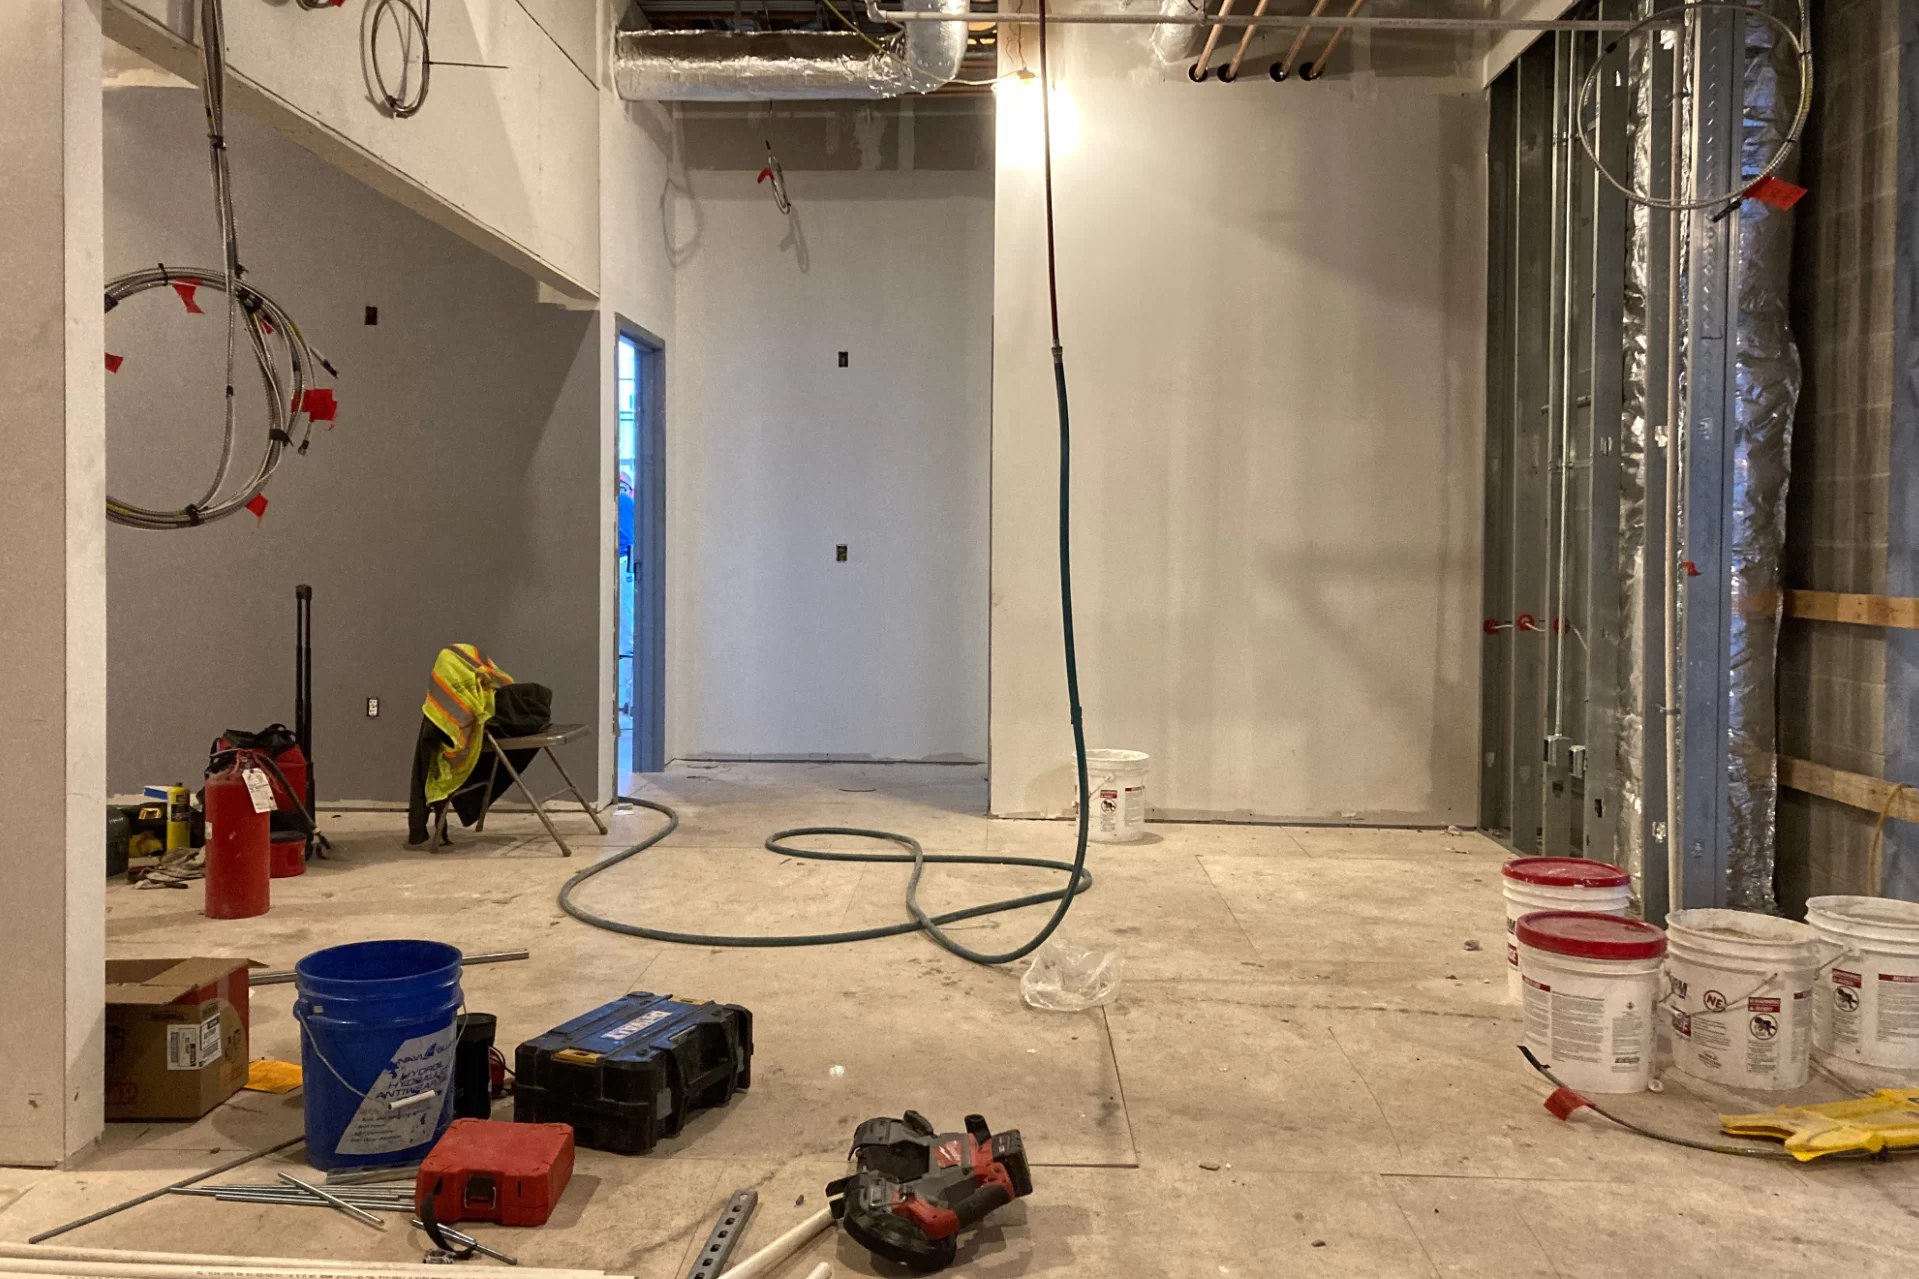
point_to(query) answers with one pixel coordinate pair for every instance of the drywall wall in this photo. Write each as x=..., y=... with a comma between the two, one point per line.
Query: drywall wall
x=505, y=151
x=1271, y=300
x=52, y=579
x=455, y=500
x=777, y=455
x=637, y=292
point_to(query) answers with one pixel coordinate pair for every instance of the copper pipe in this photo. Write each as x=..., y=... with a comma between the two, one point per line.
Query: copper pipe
x=1317, y=67
x=1285, y=67
x=1230, y=72
x=1198, y=71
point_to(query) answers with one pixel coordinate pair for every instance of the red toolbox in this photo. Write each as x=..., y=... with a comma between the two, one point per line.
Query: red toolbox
x=487, y=1170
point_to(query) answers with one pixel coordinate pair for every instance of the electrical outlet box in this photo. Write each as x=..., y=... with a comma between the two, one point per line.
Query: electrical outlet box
x=373, y=708
x=839, y=553
x=842, y=359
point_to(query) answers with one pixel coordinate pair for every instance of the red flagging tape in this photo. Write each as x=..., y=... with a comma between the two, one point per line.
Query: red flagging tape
x=185, y=289
x=764, y=175
x=1777, y=192
x=1563, y=1102
x=258, y=505
x=114, y=362
x=319, y=404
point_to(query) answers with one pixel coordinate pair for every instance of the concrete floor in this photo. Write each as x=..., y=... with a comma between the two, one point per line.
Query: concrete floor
x=1301, y=1009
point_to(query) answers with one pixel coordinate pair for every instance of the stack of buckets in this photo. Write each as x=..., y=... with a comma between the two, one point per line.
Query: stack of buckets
x=1746, y=996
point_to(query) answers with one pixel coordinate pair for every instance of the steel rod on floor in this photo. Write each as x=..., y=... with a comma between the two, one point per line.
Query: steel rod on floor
x=282, y=976
x=151, y=1195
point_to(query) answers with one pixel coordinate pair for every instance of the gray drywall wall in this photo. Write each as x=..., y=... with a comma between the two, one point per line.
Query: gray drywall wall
x=456, y=501
x=777, y=455
x=1272, y=302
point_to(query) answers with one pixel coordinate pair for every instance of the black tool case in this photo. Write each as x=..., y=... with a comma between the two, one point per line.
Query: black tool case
x=630, y=1072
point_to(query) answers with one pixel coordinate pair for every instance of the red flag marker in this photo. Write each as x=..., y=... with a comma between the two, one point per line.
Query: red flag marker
x=1563, y=1102
x=1777, y=192
x=258, y=505
x=318, y=404
x=185, y=289
x=114, y=362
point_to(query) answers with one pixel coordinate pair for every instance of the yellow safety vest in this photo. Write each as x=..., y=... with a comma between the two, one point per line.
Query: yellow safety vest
x=459, y=701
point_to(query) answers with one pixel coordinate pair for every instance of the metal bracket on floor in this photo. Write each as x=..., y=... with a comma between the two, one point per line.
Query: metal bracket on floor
x=725, y=1235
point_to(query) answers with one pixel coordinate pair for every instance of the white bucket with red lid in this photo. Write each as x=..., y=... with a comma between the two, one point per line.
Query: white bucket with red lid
x=1558, y=883
x=1866, y=1001
x=1591, y=984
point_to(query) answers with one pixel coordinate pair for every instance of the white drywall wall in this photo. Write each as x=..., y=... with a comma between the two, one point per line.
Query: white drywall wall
x=504, y=154
x=777, y=455
x=637, y=289
x=1273, y=322
x=52, y=580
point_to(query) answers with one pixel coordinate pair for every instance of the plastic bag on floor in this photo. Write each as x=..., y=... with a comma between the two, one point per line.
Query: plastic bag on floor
x=1065, y=978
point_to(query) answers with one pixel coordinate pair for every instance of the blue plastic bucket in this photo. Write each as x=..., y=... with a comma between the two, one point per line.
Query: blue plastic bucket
x=378, y=1028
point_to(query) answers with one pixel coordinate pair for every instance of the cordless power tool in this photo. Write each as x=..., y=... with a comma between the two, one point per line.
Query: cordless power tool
x=916, y=1189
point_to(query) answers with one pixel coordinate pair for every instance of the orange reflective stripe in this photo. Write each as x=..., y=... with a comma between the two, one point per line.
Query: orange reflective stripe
x=465, y=714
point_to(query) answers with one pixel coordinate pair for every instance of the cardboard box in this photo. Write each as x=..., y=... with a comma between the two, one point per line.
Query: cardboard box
x=176, y=1035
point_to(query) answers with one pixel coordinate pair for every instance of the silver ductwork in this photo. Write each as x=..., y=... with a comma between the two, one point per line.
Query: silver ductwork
x=1768, y=376
x=715, y=66
x=1626, y=704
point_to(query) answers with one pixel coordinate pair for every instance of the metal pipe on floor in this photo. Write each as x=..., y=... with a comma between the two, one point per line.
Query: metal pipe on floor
x=768, y=1258
x=280, y=1266
x=151, y=1195
x=282, y=976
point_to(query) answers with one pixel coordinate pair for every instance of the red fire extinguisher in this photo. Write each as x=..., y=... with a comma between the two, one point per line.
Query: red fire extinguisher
x=238, y=857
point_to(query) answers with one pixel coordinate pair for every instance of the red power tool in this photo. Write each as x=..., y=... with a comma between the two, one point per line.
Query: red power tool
x=916, y=1189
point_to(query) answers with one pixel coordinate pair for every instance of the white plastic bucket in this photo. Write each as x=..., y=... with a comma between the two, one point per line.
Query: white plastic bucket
x=1739, y=997
x=1866, y=1002
x=1117, y=780
x=1591, y=983
x=1558, y=883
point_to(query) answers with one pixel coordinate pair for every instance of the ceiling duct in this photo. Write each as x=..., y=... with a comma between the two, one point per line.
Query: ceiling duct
x=724, y=66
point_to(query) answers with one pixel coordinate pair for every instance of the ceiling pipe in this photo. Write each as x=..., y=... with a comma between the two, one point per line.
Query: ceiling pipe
x=1317, y=67
x=879, y=13
x=1284, y=67
x=714, y=66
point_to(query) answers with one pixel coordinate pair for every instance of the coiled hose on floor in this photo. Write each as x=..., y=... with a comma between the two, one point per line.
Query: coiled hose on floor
x=1081, y=879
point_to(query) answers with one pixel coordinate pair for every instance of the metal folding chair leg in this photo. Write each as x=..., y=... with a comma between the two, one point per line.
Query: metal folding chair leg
x=493, y=775
x=588, y=808
x=539, y=810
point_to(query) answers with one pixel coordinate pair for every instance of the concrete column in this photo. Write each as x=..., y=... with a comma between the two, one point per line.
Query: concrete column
x=52, y=577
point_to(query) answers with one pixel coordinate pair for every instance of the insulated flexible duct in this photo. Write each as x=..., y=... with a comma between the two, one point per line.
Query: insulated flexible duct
x=714, y=66
x=1767, y=373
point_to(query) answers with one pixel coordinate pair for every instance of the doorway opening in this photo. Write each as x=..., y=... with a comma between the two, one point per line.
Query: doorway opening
x=639, y=677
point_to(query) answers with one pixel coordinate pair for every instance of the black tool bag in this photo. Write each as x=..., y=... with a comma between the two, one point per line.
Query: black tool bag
x=632, y=1071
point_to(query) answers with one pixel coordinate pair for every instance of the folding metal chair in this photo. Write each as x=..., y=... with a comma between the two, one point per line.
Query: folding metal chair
x=544, y=741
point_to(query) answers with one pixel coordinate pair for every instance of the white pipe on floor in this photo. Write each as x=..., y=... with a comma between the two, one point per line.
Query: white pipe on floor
x=54, y=1259
x=821, y=1271
x=769, y=1257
